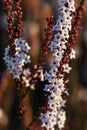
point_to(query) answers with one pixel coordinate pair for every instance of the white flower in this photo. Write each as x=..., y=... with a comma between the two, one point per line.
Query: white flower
x=26, y=81
x=52, y=46
x=62, y=45
x=59, y=54
x=72, y=54
x=55, y=62
x=64, y=10
x=61, y=119
x=62, y=2
x=50, y=77
x=53, y=71
x=47, y=87
x=46, y=75
x=66, y=68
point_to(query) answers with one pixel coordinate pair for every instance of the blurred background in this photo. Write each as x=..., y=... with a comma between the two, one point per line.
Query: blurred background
x=35, y=13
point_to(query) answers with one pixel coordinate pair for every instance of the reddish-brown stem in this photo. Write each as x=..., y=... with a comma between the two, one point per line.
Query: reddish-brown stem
x=8, y=11
x=45, y=50
x=18, y=27
x=14, y=31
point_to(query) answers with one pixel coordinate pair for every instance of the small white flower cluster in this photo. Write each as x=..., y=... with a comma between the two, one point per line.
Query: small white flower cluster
x=55, y=114
x=21, y=57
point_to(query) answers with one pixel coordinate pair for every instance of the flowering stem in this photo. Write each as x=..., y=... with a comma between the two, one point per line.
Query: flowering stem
x=8, y=10
x=18, y=13
x=65, y=59
x=73, y=35
x=44, y=49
